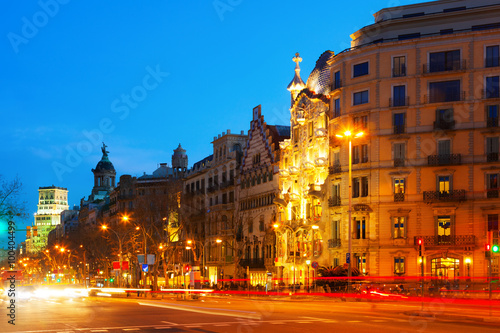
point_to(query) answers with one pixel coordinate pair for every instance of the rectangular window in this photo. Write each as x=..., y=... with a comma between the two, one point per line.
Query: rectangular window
x=360, y=97
x=355, y=187
x=493, y=222
x=399, y=96
x=336, y=158
x=492, y=88
x=444, y=184
x=355, y=154
x=444, y=229
x=444, y=119
x=361, y=263
x=336, y=80
x=336, y=107
x=361, y=228
x=360, y=123
x=492, y=185
x=335, y=228
x=360, y=69
x=444, y=148
x=491, y=59
x=336, y=194
x=399, y=230
x=364, y=186
x=444, y=61
x=364, y=153
x=399, y=265
x=444, y=91
x=399, y=154
x=399, y=66
x=399, y=189
x=399, y=123
x=492, y=116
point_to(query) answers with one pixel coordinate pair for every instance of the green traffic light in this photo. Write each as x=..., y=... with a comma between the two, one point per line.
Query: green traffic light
x=495, y=248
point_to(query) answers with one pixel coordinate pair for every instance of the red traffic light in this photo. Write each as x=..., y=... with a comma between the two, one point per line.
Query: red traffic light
x=187, y=268
x=420, y=241
x=487, y=247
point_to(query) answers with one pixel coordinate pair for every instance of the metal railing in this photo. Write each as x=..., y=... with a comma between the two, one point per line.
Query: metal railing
x=334, y=201
x=399, y=162
x=399, y=129
x=398, y=197
x=449, y=97
x=395, y=102
x=444, y=159
x=444, y=67
x=492, y=122
x=491, y=93
x=335, y=169
x=447, y=240
x=437, y=196
x=333, y=243
x=444, y=125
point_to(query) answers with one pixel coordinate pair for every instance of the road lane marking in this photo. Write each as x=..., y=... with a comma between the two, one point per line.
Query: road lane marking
x=211, y=311
x=221, y=325
x=131, y=329
x=169, y=323
x=162, y=327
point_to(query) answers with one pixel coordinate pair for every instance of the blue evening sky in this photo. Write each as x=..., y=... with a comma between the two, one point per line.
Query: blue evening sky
x=144, y=76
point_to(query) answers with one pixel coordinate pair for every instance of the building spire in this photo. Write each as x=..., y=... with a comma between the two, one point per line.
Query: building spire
x=297, y=84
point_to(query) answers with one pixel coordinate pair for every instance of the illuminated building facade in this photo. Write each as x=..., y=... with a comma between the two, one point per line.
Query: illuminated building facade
x=258, y=186
x=52, y=200
x=423, y=83
x=303, y=170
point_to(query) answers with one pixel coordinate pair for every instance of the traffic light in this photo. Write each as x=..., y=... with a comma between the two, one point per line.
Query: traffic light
x=487, y=251
x=187, y=268
x=495, y=248
x=420, y=243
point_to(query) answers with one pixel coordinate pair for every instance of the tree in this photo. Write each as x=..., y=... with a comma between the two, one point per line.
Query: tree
x=10, y=203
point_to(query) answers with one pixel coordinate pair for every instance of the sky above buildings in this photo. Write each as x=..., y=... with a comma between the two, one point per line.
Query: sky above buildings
x=144, y=76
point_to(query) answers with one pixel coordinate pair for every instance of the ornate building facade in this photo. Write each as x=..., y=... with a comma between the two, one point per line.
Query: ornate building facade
x=422, y=82
x=258, y=186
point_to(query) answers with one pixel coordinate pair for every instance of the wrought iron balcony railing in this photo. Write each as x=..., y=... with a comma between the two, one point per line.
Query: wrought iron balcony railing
x=399, y=129
x=448, y=240
x=492, y=122
x=399, y=71
x=398, y=197
x=334, y=201
x=333, y=243
x=492, y=193
x=438, y=97
x=444, y=125
x=437, y=196
x=492, y=157
x=491, y=93
x=335, y=169
x=444, y=159
x=399, y=162
x=445, y=67
x=403, y=101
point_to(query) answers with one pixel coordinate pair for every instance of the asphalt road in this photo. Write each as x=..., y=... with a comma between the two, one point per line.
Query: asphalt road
x=231, y=315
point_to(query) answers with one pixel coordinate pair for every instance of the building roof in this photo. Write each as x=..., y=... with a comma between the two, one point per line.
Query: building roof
x=319, y=79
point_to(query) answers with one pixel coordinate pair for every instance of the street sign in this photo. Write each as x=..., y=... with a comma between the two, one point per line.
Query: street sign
x=151, y=259
x=125, y=265
x=314, y=264
x=145, y=268
x=348, y=258
x=140, y=258
x=116, y=265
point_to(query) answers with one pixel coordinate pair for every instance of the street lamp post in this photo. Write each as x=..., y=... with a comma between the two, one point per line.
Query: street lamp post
x=104, y=227
x=197, y=260
x=349, y=135
x=219, y=241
